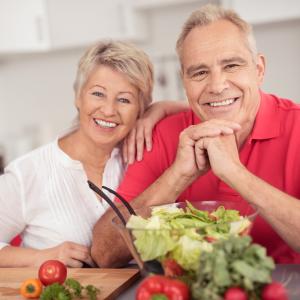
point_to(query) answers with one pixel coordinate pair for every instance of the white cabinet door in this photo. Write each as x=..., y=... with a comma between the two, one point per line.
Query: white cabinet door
x=23, y=26
x=36, y=25
x=81, y=22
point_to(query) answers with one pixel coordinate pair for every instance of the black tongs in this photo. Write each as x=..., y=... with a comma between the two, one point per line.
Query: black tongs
x=152, y=266
x=111, y=203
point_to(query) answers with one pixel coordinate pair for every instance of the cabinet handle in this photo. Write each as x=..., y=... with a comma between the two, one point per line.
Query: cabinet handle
x=39, y=28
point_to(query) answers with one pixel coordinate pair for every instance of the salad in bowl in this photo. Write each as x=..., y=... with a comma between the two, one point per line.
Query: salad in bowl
x=182, y=231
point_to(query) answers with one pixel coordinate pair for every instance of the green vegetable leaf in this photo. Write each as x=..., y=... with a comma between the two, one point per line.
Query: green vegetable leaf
x=92, y=292
x=74, y=287
x=54, y=291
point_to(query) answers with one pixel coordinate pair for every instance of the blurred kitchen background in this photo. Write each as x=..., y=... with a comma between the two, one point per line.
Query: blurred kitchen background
x=42, y=40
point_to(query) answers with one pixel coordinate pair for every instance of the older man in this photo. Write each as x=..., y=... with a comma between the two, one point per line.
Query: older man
x=237, y=143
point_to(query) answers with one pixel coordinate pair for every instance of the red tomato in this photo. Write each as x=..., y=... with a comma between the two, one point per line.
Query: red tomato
x=235, y=293
x=274, y=291
x=52, y=271
x=172, y=268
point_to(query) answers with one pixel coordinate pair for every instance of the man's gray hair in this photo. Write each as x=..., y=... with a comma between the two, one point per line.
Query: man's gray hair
x=208, y=14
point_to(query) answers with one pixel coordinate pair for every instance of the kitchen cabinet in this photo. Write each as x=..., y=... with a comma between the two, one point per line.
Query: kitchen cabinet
x=44, y=25
x=267, y=11
x=22, y=26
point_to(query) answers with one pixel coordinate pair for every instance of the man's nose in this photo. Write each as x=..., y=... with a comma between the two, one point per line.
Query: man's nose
x=217, y=83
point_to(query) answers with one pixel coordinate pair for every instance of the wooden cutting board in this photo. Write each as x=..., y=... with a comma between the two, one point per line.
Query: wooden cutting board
x=111, y=282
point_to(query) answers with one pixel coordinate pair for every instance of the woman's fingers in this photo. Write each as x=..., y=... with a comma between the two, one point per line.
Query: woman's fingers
x=130, y=146
x=124, y=151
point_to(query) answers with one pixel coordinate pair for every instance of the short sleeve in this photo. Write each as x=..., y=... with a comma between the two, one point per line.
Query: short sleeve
x=11, y=214
x=141, y=174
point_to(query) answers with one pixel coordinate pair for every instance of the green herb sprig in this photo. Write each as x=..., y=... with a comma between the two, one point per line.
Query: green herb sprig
x=71, y=289
x=233, y=262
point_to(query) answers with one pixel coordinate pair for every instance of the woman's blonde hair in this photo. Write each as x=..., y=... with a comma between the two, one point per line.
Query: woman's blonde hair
x=123, y=57
x=208, y=14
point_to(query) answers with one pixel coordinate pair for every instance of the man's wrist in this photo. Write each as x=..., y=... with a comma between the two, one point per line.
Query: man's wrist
x=179, y=179
x=234, y=174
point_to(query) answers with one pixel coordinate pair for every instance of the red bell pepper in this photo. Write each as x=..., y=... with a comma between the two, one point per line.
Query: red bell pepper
x=162, y=288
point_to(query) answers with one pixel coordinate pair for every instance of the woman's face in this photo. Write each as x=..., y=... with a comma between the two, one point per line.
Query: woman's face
x=108, y=106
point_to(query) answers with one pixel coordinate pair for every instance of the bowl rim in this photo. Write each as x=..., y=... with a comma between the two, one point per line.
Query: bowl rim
x=211, y=203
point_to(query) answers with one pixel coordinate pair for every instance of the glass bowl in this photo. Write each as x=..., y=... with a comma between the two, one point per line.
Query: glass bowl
x=180, y=231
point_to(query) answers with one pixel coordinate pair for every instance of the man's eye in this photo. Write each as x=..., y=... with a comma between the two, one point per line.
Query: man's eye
x=231, y=66
x=123, y=100
x=98, y=94
x=199, y=74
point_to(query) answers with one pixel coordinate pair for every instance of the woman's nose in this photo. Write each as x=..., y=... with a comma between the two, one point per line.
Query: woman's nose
x=108, y=108
x=217, y=83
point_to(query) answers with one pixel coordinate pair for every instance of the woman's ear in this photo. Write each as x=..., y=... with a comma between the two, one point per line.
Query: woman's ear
x=261, y=66
x=77, y=103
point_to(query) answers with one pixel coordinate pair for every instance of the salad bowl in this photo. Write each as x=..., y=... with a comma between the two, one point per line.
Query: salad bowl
x=181, y=231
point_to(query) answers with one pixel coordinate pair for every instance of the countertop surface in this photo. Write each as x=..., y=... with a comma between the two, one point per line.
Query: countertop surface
x=121, y=284
x=111, y=282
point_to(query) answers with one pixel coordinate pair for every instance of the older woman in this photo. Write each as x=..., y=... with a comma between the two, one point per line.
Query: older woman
x=44, y=195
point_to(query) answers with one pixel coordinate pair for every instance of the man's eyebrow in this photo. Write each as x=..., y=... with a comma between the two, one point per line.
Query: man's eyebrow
x=193, y=68
x=233, y=59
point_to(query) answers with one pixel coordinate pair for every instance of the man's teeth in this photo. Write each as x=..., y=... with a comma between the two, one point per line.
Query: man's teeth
x=105, y=124
x=222, y=103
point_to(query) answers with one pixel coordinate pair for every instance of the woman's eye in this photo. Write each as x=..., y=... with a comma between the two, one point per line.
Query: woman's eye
x=98, y=94
x=123, y=100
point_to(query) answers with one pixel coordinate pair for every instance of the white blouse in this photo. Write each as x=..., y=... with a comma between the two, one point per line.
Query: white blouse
x=44, y=196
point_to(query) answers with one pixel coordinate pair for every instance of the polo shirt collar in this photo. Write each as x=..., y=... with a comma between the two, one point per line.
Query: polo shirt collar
x=266, y=124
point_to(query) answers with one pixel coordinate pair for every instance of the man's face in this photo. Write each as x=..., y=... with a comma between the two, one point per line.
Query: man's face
x=220, y=75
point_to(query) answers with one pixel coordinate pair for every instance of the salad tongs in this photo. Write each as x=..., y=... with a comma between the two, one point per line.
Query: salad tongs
x=151, y=266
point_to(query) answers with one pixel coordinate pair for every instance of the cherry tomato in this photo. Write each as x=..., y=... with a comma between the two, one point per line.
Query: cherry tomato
x=31, y=288
x=52, y=271
x=235, y=293
x=274, y=291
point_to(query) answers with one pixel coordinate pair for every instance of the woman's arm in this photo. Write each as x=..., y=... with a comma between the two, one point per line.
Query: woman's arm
x=12, y=222
x=141, y=135
x=71, y=254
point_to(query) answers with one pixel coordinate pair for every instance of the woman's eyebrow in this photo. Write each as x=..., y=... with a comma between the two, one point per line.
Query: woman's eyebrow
x=98, y=85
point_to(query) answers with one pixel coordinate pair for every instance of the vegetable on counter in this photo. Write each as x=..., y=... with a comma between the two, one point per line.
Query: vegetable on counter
x=158, y=287
x=52, y=271
x=235, y=293
x=274, y=291
x=31, y=288
x=234, y=262
x=71, y=289
x=52, y=274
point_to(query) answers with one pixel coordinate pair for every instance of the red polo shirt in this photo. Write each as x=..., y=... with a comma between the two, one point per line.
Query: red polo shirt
x=271, y=152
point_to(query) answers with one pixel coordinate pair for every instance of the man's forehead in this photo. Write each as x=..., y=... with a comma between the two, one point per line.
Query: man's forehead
x=217, y=35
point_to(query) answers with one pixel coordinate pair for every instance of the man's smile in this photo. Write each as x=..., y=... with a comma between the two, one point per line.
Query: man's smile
x=223, y=102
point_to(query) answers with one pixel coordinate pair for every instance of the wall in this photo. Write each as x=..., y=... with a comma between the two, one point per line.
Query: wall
x=36, y=99
x=36, y=96
x=280, y=42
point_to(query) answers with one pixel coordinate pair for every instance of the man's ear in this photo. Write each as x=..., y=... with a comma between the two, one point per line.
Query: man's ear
x=261, y=66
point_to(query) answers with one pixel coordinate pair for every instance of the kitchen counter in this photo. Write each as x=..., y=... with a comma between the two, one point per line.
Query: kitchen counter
x=121, y=284
x=111, y=282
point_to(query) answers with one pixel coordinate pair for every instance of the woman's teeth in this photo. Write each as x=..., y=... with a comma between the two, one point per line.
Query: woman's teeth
x=222, y=103
x=105, y=124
